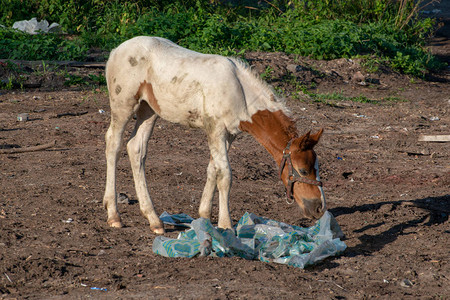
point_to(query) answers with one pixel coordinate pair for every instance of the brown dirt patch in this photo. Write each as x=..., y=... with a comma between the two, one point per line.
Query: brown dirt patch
x=389, y=193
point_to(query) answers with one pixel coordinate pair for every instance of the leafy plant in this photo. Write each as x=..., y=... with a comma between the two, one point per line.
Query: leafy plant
x=18, y=45
x=388, y=30
x=267, y=74
x=72, y=80
x=98, y=79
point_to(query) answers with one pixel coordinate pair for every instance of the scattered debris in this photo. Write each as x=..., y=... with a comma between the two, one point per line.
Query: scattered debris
x=28, y=149
x=73, y=114
x=123, y=198
x=406, y=283
x=295, y=68
x=182, y=220
x=22, y=117
x=373, y=80
x=7, y=277
x=358, y=77
x=34, y=27
x=360, y=116
x=434, y=138
x=99, y=289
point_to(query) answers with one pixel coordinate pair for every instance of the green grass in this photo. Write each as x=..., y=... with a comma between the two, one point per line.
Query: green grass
x=333, y=98
x=379, y=30
x=16, y=45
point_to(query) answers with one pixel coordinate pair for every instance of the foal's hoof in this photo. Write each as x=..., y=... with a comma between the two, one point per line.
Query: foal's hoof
x=115, y=222
x=158, y=230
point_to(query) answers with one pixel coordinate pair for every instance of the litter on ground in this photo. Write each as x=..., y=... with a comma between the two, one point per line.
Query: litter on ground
x=34, y=26
x=254, y=237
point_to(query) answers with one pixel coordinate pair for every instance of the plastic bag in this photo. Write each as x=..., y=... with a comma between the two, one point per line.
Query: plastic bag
x=256, y=237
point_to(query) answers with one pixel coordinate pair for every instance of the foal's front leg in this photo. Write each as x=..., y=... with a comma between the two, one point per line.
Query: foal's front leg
x=218, y=146
x=208, y=192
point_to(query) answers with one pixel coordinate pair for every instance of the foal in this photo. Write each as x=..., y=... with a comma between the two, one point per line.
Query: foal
x=152, y=77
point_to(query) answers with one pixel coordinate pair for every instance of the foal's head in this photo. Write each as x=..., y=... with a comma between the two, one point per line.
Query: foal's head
x=300, y=174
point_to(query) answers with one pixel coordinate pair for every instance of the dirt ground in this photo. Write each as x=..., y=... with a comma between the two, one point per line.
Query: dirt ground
x=388, y=191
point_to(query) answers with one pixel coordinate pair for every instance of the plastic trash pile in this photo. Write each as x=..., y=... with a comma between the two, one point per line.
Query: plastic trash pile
x=34, y=27
x=254, y=237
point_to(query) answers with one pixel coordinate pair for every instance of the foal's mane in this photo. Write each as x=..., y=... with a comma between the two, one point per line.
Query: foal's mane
x=255, y=80
x=281, y=114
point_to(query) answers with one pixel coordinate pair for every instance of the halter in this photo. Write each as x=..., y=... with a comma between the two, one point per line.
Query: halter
x=294, y=176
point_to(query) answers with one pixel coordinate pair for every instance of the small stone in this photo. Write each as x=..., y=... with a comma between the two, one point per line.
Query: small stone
x=294, y=68
x=406, y=283
x=373, y=80
x=123, y=198
x=358, y=77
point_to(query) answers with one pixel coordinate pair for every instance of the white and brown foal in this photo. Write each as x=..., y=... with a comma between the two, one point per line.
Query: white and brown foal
x=152, y=77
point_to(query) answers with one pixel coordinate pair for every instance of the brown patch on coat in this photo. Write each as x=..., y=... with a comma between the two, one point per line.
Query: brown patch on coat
x=133, y=62
x=146, y=89
x=118, y=89
x=178, y=80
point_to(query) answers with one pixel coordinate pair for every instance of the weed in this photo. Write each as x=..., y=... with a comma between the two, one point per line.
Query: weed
x=389, y=31
x=98, y=79
x=331, y=98
x=73, y=80
x=394, y=99
x=18, y=45
x=267, y=74
x=335, y=96
x=43, y=70
x=7, y=84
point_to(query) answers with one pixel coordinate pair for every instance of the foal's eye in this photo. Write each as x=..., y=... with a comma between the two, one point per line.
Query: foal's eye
x=303, y=172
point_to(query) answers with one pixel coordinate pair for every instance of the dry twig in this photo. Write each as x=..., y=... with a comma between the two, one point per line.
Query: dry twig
x=28, y=149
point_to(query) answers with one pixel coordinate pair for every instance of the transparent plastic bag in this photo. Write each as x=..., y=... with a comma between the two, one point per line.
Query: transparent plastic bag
x=260, y=238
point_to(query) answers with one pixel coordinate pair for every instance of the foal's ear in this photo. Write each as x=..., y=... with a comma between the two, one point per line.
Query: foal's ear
x=308, y=141
x=316, y=137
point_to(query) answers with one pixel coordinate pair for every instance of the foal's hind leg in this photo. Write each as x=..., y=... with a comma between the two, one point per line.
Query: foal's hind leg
x=137, y=151
x=113, y=137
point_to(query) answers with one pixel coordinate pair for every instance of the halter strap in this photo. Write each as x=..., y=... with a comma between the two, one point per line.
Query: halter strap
x=293, y=175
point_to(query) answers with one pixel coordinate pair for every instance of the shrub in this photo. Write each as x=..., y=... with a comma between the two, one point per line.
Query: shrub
x=321, y=29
